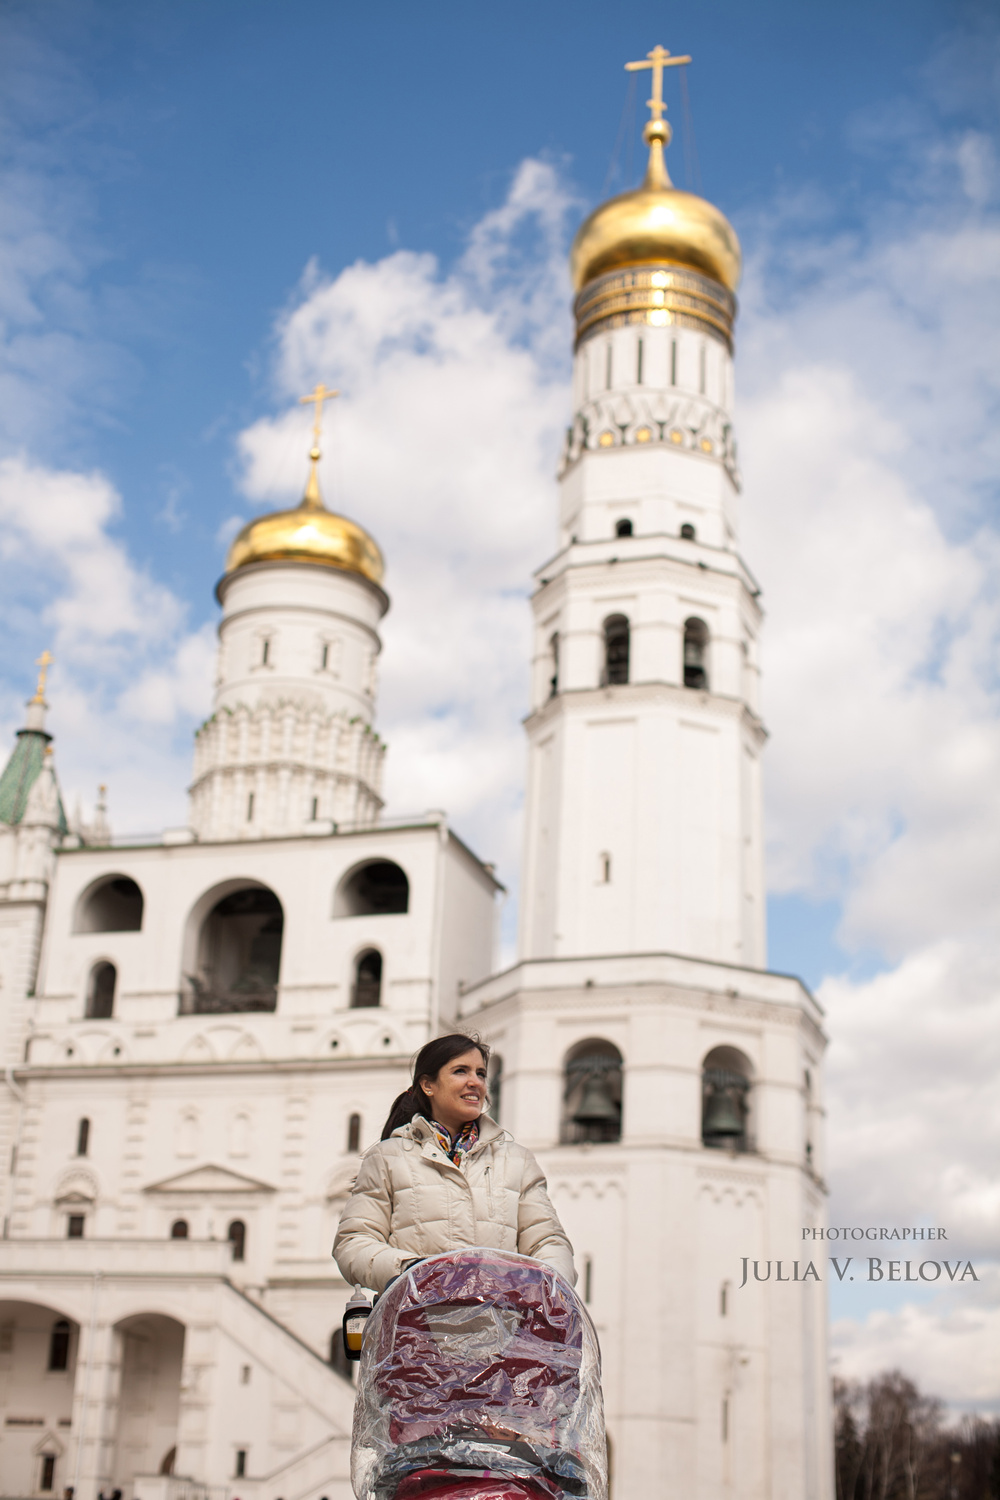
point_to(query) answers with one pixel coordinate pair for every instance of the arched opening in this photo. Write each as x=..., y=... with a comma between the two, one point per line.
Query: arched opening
x=152, y=1356
x=592, y=1093
x=696, y=654
x=687, y=532
x=367, y=987
x=494, y=1088
x=113, y=904
x=101, y=991
x=377, y=888
x=82, y=1137
x=238, y=955
x=179, y=1229
x=616, y=651
x=623, y=528
x=38, y=1357
x=354, y=1133
x=338, y=1355
x=236, y=1234
x=554, y=663
x=725, y=1100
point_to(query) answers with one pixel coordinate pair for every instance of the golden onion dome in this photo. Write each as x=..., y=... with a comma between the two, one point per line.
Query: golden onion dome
x=309, y=533
x=656, y=224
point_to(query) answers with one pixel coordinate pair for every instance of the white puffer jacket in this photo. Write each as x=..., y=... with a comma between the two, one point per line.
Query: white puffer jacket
x=411, y=1200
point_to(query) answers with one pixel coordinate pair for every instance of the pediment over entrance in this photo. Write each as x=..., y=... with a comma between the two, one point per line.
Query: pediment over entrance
x=209, y=1179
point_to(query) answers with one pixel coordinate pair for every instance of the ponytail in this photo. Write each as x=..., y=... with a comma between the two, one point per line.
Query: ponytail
x=412, y=1101
x=429, y=1061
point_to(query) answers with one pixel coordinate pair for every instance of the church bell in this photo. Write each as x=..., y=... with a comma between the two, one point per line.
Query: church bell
x=723, y=1118
x=596, y=1106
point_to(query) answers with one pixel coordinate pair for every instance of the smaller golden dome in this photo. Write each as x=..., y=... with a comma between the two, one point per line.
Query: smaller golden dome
x=655, y=224
x=309, y=533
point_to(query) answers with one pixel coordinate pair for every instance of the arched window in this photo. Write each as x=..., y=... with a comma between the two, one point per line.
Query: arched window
x=494, y=1092
x=623, y=528
x=354, y=1133
x=695, y=654
x=238, y=955
x=114, y=904
x=59, y=1345
x=380, y=887
x=338, y=1354
x=592, y=1093
x=367, y=987
x=237, y=1237
x=687, y=532
x=616, y=646
x=554, y=662
x=725, y=1100
x=101, y=992
x=179, y=1229
x=82, y=1137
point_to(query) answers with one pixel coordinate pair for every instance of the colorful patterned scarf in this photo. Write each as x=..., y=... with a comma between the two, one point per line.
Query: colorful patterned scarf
x=463, y=1142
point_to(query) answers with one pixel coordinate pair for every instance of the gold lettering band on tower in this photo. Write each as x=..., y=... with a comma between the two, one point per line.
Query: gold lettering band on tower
x=656, y=295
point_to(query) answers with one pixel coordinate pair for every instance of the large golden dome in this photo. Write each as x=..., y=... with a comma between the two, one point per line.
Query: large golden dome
x=656, y=224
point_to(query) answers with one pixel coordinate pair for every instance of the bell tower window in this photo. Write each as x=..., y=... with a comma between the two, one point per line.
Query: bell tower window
x=367, y=990
x=623, y=528
x=696, y=654
x=725, y=1100
x=592, y=1093
x=616, y=651
x=554, y=661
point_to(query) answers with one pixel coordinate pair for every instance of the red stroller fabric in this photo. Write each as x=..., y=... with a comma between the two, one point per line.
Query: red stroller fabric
x=481, y=1364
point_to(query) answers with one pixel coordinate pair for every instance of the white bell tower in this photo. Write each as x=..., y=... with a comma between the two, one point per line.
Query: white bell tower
x=644, y=800
x=291, y=746
x=671, y=1086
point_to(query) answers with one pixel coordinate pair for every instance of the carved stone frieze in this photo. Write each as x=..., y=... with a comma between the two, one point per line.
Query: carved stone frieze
x=617, y=420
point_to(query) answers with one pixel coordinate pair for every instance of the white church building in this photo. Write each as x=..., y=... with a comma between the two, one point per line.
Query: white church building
x=200, y=1033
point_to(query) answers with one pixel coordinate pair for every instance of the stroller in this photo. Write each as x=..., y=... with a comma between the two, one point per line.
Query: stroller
x=480, y=1379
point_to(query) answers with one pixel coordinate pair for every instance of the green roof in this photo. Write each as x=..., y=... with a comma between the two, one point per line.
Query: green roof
x=20, y=774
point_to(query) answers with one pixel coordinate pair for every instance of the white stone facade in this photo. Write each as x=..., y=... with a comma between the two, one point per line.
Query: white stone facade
x=200, y=1034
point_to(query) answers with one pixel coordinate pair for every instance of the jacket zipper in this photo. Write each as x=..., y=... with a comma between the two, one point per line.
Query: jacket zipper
x=489, y=1191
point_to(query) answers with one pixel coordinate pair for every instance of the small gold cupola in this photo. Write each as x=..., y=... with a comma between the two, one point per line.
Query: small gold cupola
x=309, y=533
x=656, y=255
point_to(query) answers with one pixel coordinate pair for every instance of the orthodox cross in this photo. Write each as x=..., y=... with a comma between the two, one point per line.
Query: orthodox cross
x=317, y=397
x=43, y=664
x=658, y=59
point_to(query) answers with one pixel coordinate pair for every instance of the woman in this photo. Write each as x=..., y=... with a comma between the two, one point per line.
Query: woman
x=443, y=1176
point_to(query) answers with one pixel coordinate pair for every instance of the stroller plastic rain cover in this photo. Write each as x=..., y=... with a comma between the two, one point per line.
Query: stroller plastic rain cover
x=476, y=1365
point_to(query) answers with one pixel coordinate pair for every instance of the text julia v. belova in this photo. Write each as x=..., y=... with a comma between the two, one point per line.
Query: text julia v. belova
x=870, y=1268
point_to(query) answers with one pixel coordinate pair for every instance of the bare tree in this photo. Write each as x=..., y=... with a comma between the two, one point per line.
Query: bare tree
x=890, y=1444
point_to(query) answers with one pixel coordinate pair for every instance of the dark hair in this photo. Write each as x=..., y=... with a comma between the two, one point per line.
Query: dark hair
x=429, y=1061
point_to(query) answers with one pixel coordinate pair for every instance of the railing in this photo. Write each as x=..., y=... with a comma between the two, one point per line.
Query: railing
x=87, y=1256
x=167, y=1487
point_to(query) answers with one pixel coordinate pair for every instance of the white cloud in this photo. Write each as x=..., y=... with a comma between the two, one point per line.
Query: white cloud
x=127, y=674
x=951, y=1347
x=871, y=444
x=443, y=446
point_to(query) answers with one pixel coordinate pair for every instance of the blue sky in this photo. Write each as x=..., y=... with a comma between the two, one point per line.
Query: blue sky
x=207, y=206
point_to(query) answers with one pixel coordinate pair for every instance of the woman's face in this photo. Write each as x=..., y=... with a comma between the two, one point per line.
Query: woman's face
x=456, y=1095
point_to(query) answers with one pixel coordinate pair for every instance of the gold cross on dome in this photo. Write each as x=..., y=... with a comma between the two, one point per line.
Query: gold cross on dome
x=657, y=60
x=317, y=397
x=43, y=664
